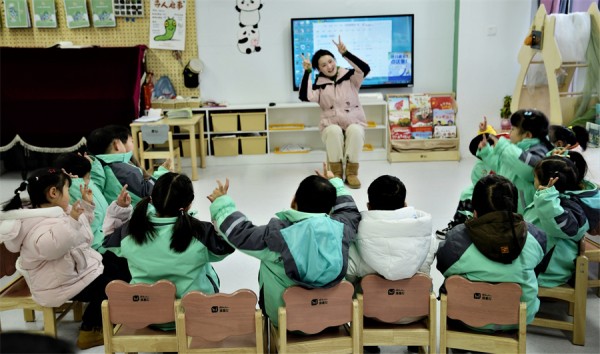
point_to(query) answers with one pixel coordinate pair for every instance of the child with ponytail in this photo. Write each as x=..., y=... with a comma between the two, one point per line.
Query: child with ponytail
x=515, y=158
x=54, y=240
x=496, y=245
x=558, y=209
x=163, y=239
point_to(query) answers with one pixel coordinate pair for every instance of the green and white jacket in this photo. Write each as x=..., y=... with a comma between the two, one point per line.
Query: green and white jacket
x=295, y=248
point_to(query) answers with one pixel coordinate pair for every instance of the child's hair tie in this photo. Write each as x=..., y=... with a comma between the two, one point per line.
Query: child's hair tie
x=182, y=210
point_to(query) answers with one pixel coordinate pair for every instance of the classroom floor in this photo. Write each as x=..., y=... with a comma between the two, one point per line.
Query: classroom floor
x=261, y=190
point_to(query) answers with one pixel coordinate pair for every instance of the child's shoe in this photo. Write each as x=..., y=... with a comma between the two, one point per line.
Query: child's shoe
x=90, y=338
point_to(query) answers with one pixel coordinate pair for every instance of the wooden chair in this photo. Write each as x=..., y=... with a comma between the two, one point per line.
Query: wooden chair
x=478, y=304
x=388, y=302
x=16, y=296
x=592, y=252
x=575, y=296
x=134, y=307
x=157, y=134
x=322, y=315
x=220, y=323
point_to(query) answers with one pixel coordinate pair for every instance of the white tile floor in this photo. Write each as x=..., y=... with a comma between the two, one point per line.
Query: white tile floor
x=262, y=190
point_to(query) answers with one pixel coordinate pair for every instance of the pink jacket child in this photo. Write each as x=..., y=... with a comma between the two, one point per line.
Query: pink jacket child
x=54, y=240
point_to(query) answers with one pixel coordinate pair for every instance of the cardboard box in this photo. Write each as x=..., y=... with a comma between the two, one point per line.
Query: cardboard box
x=253, y=121
x=225, y=146
x=224, y=122
x=254, y=145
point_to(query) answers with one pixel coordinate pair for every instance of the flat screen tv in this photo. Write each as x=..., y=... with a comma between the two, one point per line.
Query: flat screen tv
x=384, y=42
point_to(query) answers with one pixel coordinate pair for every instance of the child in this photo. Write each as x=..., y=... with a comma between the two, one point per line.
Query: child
x=561, y=217
x=119, y=168
x=573, y=138
x=342, y=116
x=515, y=158
x=306, y=245
x=464, y=210
x=54, y=240
x=79, y=167
x=164, y=241
x=497, y=245
x=393, y=240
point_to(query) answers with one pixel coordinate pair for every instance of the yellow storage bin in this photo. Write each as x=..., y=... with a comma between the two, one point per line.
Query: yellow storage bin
x=252, y=121
x=225, y=146
x=254, y=145
x=224, y=122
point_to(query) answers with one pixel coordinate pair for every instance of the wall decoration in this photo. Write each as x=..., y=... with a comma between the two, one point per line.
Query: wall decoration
x=129, y=8
x=249, y=17
x=167, y=24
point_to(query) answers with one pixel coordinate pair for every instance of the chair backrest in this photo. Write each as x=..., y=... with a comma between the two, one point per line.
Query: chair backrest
x=479, y=303
x=155, y=133
x=389, y=301
x=140, y=305
x=215, y=317
x=313, y=310
x=8, y=260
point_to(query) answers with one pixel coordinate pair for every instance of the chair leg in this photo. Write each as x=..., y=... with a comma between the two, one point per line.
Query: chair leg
x=49, y=321
x=579, y=313
x=77, y=311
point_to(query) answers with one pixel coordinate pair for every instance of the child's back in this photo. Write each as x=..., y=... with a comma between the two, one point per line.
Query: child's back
x=393, y=240
x=306, y=245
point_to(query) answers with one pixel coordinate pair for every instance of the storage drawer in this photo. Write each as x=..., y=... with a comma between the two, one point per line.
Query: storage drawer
x=224, y=122
x=225, y=146
x=253, y=145
x=252, y=121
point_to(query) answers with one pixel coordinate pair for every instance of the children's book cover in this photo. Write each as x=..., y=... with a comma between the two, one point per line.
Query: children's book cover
x=443, y=110
x=77, y=13
x=103, y=13
x=398, y=132
x=444, y=132
x=422, y=132
x=16, y=14
x=420, y=110
x=399, y=110
x=594, y=131
x=44, y=13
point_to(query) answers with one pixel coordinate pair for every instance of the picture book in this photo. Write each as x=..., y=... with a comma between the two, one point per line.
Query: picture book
x=398, y=132
x=44, y=13
x=444, y=132
x=76, y=13
x=399, y=110
x=16, y=14
x=422, y=132
x=420, y=110
x=103, y=13
x=594, y=131
x=443, y=110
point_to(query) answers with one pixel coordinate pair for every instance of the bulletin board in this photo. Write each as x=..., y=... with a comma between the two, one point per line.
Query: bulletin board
x=128, y=32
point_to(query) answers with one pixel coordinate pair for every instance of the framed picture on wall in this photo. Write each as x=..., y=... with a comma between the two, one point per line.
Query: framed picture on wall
x=131, y=8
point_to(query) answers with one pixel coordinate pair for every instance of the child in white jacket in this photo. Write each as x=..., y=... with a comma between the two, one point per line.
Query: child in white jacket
x=394, y=240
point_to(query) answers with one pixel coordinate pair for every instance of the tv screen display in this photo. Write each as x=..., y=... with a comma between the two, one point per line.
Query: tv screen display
x=384, y=42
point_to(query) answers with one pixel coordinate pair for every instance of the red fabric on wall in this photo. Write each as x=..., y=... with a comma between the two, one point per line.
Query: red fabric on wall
x=53, y=97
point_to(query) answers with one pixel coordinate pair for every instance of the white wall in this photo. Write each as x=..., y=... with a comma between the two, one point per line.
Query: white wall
x=266, y=76
x=487, y=65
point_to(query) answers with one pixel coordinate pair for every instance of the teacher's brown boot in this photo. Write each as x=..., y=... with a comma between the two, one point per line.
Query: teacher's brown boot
x=352, y=175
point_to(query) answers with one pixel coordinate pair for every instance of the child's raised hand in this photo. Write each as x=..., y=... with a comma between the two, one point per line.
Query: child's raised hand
x=340, y=45
x=306, y=62
x=86, y=193
x=551, y=183
x=326, y=172
x=68, y=174
x=124, y=199
x=168, y=164
x=76, y=210
x=219, y=191
x=483, y=124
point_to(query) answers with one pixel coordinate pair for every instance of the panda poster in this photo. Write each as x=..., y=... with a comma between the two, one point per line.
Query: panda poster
x=167, y=24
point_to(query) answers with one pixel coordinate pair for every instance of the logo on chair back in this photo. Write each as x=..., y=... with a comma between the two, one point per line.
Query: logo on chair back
x=217, y=309
x=139, y=298
x=395, y=291
x=315, y=302
x=480, y=296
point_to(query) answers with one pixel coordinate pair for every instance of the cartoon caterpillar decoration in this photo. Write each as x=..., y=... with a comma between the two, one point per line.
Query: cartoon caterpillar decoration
x=170, y=27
